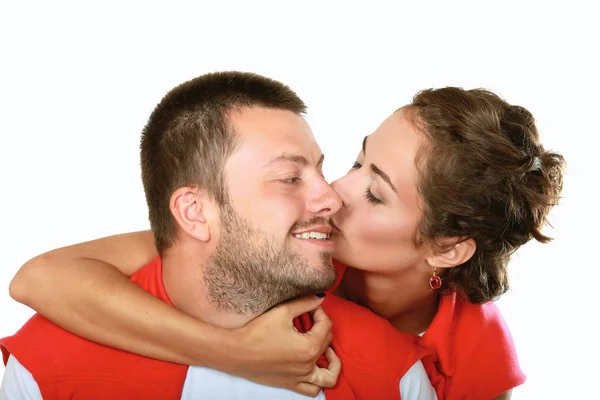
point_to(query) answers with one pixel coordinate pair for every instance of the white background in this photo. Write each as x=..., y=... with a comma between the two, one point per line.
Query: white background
x=78, y=81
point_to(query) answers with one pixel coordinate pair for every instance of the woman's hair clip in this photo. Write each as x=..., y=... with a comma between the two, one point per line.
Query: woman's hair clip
x=537, y=164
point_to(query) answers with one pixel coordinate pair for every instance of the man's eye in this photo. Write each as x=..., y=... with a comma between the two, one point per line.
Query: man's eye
x=356, y=165
x=291, y=180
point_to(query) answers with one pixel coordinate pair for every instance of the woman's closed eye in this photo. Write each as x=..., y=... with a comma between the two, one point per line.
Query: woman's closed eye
x=371, y=198
x=368, y=194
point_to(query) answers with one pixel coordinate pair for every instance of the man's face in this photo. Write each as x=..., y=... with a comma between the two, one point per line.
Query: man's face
x=274, y=239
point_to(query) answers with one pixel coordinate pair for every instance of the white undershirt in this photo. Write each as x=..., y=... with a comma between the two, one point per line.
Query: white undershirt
x=18, y=383
x=208, y=384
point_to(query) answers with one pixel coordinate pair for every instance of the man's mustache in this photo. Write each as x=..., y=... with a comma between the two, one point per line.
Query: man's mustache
x=314, y=221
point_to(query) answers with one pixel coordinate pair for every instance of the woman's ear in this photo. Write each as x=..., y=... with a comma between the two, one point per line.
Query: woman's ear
x=458, y=254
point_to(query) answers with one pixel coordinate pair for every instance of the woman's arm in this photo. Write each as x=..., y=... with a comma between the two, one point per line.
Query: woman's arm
x=84, y=289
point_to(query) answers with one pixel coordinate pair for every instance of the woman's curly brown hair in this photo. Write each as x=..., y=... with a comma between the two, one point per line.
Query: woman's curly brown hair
x=483, y=174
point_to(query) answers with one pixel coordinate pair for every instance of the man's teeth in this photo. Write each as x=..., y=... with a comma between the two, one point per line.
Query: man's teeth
x=312, y=235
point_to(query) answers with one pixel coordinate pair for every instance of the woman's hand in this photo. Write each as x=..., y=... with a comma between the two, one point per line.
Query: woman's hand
x=269, y=350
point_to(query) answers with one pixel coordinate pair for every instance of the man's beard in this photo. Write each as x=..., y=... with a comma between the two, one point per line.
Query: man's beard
x=249, y=272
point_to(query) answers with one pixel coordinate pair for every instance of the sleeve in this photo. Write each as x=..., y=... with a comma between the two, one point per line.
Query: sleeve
x=491, y=367
x=18, y=383
x=415, y=384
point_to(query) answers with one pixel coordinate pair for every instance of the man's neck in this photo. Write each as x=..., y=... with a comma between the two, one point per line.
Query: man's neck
x=404, y=299
x=183, y=279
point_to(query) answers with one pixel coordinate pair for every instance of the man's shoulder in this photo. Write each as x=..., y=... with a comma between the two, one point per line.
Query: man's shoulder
x=37, y=339
x=61, y=361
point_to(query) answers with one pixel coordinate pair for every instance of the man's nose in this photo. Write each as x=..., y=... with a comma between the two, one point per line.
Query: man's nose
x=339, y=187
x=326, y=201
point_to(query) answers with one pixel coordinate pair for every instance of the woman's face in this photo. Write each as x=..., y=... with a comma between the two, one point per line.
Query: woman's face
x=380, y=213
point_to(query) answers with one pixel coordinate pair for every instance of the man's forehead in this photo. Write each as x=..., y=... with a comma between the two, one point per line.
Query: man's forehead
x=266, y=118
x=275, y=135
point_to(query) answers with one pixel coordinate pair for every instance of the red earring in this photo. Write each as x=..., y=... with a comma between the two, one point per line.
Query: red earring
x=435, y=282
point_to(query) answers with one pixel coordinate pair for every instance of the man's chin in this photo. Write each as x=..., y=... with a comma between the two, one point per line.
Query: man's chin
x=322, y=260
x=328, y=274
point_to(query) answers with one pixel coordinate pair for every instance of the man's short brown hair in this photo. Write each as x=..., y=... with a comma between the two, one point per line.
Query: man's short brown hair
x=188, y=138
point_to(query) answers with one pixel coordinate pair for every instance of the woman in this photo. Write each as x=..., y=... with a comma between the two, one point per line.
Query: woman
x=441, y=195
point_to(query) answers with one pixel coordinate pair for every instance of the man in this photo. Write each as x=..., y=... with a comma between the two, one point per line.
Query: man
x=239, y=210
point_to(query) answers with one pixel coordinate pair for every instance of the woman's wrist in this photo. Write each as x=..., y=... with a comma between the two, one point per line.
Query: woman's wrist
x=213, y=347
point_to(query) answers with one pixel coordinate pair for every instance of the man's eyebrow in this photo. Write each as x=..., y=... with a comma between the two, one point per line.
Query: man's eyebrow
x=295, y=158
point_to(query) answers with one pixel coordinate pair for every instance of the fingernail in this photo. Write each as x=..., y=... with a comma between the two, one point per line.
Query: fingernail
x=320, y=295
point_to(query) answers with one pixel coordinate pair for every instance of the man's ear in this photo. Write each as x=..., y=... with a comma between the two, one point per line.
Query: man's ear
x=190, y=207
x=458, y=253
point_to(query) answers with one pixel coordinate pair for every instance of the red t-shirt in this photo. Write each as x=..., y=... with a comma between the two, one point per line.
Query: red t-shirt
x=374, y=355
x=471, y=351
x=66, y=366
